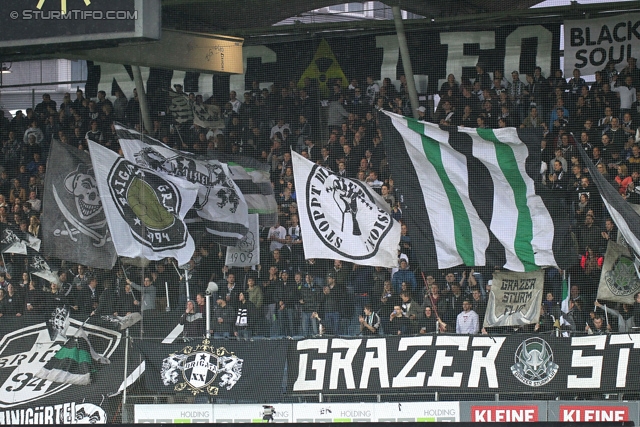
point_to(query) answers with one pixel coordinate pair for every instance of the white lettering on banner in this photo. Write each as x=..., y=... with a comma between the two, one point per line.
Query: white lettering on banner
x=456, y=59
x=373, y=362
x=500, y=414
x=593, y=362
x=442, y=360
x=343, y=364
x=268, y=56
x=401, y=380
x=623, y=357
x=63, y=413
x=594, y=413
x=390, y=56
x=513, y=47
x=590, y=44
x=487, y=362
x=302, y=384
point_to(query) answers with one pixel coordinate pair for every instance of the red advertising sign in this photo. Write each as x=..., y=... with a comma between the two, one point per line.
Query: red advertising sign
x=593, y=413
x=504, y=414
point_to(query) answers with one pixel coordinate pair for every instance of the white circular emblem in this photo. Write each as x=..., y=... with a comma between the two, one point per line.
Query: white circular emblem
x=344, y=215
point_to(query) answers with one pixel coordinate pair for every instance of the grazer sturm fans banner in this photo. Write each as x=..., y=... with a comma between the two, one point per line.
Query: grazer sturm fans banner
x=26, y=346
x=589, y=44
x=514, y=298
x=619, y=280
x=343, y=218
x=145, y=211
x=519, y=363
x=223, y=368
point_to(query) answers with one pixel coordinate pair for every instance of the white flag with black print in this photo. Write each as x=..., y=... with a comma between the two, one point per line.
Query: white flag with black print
x=220, y=206
x=144, y=209
x=247, y=252
x=342, y=218
x=515, y=298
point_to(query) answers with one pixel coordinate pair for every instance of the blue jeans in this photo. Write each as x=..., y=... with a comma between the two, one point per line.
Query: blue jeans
x=309, y=325
x=284, y=320
x=332, y=323
x=244, y=333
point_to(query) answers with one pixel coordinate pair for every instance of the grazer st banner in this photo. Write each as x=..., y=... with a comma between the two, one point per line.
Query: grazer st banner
x=517, y=363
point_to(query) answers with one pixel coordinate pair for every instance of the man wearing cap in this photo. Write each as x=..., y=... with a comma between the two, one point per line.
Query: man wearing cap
x=422, y=113
x=404, y=275
x=222, y=318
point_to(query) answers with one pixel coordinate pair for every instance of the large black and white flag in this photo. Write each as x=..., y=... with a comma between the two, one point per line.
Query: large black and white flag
x=220, y=205
x=144, y=209
x=74, y=227
x=180, y=108
x=515, y=298
x=16, y=241
x=342, y=218
x=253, y=177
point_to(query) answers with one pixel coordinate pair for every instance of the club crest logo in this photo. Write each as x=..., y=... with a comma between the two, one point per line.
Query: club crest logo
x=344, y=215
x=80, y=191
x=149, y=204
x=622, y=279
x=202, y=369
x=534, y=364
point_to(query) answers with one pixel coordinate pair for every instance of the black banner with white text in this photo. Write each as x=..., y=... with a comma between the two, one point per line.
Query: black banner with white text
x=468, y=364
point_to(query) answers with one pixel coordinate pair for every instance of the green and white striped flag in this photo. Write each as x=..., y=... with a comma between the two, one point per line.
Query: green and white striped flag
x=468, y=197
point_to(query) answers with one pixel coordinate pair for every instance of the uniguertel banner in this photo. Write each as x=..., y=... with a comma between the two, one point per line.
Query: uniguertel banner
x=26, y=346
x=498, y=364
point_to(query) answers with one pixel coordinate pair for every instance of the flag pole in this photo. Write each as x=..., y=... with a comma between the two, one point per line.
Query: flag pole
x=126, y=365
x=186, y=282
x=166, y=288
x=208, y=319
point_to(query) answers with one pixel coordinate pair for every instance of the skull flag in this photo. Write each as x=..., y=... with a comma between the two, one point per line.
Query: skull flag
x=74, y=227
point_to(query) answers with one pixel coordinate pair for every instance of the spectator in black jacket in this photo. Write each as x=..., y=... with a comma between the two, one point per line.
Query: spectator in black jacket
x=128, y=303
x=193, y=322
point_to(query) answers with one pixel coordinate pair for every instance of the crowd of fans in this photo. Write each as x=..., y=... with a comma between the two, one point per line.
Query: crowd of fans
x=288, y=294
